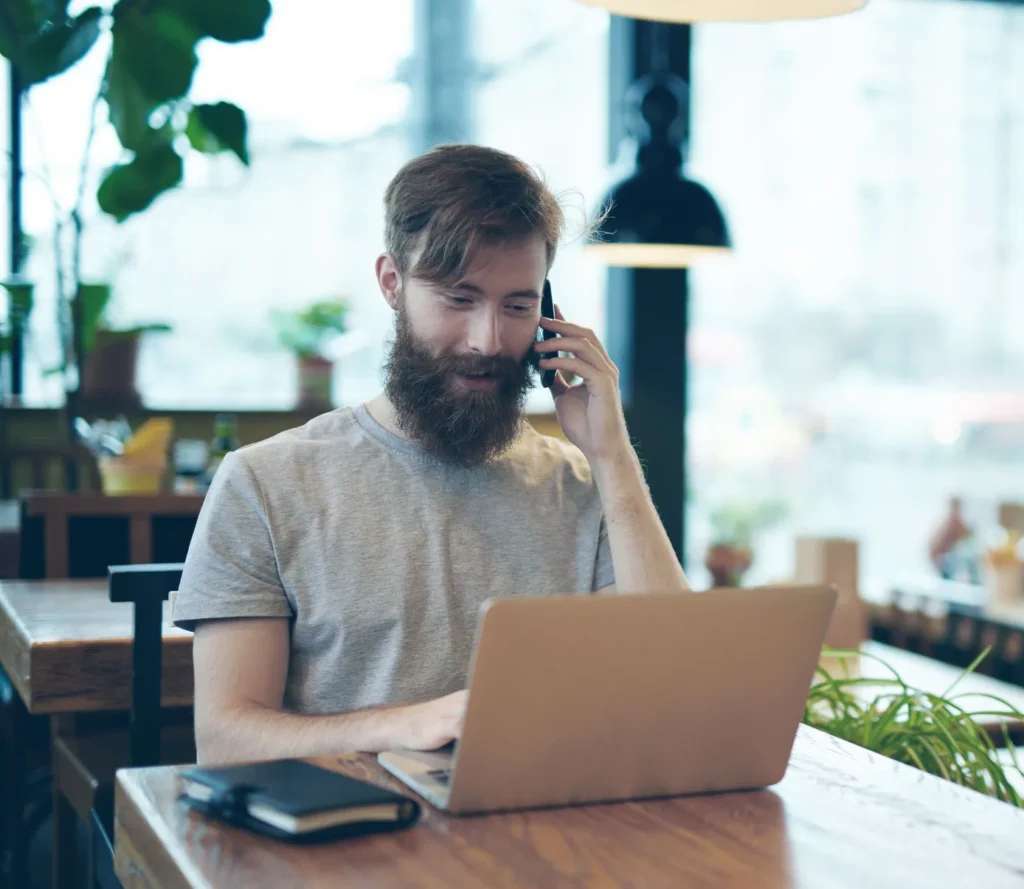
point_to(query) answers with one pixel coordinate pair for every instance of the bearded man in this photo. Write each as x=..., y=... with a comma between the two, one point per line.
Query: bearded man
x=337, y=570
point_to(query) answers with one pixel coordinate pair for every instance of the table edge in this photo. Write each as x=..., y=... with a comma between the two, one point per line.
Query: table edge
x=133, y=813
x=21, y=649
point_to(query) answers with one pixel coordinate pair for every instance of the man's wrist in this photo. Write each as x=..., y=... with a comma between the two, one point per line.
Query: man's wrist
x=403, y=725
x=376, y=729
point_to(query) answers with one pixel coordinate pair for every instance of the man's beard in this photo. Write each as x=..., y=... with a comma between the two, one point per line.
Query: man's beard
x=463, y=426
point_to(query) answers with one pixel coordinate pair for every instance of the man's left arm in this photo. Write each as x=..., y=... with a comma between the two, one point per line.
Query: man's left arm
x=590, y=414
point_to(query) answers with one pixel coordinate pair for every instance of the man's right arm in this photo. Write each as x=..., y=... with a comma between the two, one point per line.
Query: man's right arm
x=240, y=671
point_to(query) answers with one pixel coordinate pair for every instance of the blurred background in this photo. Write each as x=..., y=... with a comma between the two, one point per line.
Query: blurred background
x=854, y=362
x=812, y=285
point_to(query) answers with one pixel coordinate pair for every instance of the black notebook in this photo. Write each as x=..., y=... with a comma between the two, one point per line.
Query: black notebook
x=292, y=798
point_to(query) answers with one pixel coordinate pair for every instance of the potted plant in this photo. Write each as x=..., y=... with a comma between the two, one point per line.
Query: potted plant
x=734, y=524
x=108, y=371
x=145, y=92
x=935, y=733
x=307, y=333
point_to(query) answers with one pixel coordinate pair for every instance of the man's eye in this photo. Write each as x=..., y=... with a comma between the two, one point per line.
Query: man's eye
x=459, y=300
x=522, y=310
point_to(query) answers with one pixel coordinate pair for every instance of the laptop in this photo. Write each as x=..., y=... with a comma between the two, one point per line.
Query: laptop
x=586, y=699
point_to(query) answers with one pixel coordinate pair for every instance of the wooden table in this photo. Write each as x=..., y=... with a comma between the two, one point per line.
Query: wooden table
x=67, y=648
x=841, y=817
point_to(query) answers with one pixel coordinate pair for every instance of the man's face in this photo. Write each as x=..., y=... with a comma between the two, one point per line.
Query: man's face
x=462, y=360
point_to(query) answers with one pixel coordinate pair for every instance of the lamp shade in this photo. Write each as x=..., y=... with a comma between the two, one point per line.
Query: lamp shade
x=659, y=221
x=727, y=10
x=656, y=217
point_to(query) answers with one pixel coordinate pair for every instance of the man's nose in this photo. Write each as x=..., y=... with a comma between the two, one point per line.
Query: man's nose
x=485, y=333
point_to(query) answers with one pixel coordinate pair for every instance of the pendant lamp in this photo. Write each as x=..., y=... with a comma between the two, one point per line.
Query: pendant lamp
x=657, y=217
x=727, y=10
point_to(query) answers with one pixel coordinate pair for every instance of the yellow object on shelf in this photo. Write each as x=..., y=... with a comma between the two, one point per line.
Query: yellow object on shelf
x=150, y=441
x=1004, y=570
x=120, y=478
x=140, y=470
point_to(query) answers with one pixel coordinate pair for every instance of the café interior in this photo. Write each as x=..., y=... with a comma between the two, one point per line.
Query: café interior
x=808, y=269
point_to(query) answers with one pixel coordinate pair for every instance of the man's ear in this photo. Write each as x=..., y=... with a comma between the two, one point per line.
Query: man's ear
x=389, y=279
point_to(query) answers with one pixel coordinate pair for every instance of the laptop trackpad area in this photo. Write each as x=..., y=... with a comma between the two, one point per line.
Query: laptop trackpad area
x=429, y=771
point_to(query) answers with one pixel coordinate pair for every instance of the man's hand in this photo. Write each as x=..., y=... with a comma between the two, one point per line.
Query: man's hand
x=591, y=417
x=590, y=413
x=434, y=723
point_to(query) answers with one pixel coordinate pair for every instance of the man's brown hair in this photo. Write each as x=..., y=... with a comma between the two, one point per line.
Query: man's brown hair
x=456, y=198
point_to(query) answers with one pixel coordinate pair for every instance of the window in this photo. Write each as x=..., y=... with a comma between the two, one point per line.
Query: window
x=861, y=357
x=542, y=94
x=333, y=111
x=328, y=124
x=5, y=220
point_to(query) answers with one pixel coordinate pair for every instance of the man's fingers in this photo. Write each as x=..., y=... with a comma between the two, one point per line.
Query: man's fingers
x=581, y=348
x=564, y=329
x=592, y=376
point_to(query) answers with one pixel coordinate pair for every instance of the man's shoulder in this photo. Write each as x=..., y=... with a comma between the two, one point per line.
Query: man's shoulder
x=325, y=429
x=287, y=452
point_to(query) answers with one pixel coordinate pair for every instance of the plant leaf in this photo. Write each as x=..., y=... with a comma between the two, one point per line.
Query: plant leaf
x=157, y=49
x=970, y=669
x=59, y=46
x=93, y=300
x=220, y=127
x=132, y=187
x=127, y=106
x=22, y=21
x=230, y=21
x=21, y=300
x=144, y=328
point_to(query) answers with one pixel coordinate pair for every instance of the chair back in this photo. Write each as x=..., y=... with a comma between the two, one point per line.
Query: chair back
x=147, y=587
x=79, y=535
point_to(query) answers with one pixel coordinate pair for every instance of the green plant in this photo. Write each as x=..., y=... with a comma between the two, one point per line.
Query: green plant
x=145, y=88
x=934, y=733
x=20, y=302
x=307, y=331
x=94, y=300
x=145, y=85
x=735, y=523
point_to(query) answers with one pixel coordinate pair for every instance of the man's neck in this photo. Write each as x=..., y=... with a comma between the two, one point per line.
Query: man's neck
x=381, y=409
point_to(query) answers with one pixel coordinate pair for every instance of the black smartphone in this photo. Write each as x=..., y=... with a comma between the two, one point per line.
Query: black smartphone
x=547, y=310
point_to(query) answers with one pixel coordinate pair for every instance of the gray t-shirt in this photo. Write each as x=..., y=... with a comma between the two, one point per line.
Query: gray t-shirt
x=381, y=554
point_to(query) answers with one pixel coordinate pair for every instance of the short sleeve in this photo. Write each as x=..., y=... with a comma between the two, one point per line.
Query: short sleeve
x=604, y=570
x=231, y=568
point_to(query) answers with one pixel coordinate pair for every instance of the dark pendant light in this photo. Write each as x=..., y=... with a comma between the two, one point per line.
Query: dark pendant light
x=658, y=218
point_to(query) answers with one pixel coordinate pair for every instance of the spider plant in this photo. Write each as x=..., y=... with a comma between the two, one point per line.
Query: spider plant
x=938, y=734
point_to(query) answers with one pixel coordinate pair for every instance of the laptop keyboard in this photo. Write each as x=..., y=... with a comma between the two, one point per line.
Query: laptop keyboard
x=441, y=776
